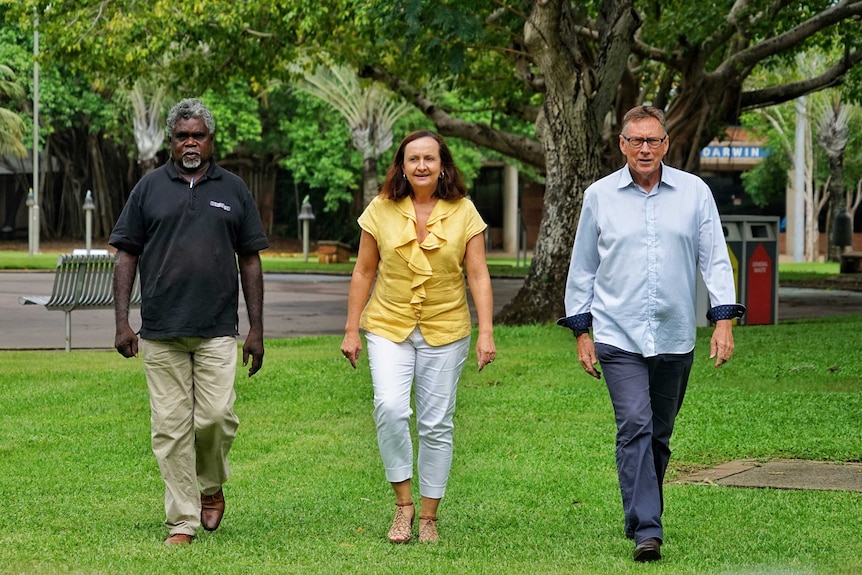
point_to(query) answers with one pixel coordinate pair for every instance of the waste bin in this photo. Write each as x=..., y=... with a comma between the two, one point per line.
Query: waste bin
x=758, y=281
x=752, y=245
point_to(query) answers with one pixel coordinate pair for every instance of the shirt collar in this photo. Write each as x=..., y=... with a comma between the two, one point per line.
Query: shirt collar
x=627, y=181
x=441, y=210
x=213, y=170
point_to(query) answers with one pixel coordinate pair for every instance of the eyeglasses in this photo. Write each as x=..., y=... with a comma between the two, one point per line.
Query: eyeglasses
x=636, y=143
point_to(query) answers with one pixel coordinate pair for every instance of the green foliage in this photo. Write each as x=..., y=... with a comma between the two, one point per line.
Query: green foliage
x=11, y=125
x=467, y=57
x=318, y=149
x=237, y=115
x=767, y=181
x=66, y=99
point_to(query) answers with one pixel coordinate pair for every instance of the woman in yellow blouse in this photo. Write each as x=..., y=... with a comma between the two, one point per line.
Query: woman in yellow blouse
x=418, y=235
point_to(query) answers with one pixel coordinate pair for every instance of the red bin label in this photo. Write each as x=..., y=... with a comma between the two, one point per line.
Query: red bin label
x=759, y=295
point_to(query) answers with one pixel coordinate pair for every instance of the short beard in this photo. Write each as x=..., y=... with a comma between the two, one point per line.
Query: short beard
x=192, y=163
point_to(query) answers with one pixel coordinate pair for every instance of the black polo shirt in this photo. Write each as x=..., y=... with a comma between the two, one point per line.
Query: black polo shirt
x=187, y=238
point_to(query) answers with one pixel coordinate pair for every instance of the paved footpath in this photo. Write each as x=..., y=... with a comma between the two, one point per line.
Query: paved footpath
x=295, y=305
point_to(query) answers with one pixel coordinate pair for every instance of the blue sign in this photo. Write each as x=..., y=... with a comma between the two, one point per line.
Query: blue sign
x=734, y=152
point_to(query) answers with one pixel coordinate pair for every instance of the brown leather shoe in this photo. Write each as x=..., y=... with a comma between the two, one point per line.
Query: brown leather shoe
x=648, y=550
x=179, y=539
x=212, y=510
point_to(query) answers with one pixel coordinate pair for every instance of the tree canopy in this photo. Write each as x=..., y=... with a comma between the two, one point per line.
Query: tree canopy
x=544, y=82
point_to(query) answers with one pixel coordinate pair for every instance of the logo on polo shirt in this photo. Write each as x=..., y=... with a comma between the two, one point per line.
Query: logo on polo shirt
x=221, y=205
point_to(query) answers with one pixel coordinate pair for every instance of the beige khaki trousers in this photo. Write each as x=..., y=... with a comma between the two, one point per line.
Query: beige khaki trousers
x=191, y=384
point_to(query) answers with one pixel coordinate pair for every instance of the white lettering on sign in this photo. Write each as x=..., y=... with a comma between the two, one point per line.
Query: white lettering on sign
x=727, y=152
x=759, y=267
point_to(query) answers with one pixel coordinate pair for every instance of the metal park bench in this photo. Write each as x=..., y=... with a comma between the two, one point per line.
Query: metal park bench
x=82, y=281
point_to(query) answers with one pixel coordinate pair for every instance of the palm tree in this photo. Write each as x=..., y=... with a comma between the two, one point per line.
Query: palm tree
x=149, y=131
x=371, y=111
x=12, y=127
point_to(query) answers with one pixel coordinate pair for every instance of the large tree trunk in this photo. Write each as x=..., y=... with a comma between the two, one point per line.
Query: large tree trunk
x=577, y=100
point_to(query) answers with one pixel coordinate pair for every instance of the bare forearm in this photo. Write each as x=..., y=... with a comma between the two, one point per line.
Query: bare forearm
x=483, y=299
x=360, y=288
x=125, y=270
x=251, y=275
x=479, y=281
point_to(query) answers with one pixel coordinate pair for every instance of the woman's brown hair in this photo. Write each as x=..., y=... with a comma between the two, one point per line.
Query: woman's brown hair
x=449, y=187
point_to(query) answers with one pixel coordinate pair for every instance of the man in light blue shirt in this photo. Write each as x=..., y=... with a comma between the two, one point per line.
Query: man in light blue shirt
x=643, y=231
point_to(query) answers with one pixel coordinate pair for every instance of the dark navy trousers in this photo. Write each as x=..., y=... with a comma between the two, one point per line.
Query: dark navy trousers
x=647, y=394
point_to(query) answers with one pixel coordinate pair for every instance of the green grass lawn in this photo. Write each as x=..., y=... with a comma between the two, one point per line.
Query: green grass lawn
x=533, y=488
x=17, y=260
x=499, y=266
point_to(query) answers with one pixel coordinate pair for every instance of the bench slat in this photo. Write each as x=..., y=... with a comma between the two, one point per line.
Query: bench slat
x=82, y=281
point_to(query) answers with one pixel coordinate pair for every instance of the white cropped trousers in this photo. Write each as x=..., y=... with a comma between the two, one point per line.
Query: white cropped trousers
x=395, y=368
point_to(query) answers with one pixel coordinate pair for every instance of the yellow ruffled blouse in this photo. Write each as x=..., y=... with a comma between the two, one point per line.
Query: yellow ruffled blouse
x=420, y=284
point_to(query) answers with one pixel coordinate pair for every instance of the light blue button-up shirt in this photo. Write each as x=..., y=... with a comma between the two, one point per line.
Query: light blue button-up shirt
x=635, y=260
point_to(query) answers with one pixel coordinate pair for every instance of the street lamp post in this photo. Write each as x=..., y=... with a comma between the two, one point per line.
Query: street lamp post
x=89, y=206
x=305, y=216
x=34, y=192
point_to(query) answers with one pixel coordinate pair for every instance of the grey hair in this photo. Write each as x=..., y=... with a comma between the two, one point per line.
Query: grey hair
x=642, y=113
x=190, y=108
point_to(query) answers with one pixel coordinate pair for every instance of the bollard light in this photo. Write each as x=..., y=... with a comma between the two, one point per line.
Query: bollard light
x=305, y=216
x=89, y=206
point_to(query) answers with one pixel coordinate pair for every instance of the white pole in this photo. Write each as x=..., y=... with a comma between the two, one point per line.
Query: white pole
x=89, y=206
x=30, y=228
x=34, y=210
x=305, y=240
x=799, y=183
x=511, y=225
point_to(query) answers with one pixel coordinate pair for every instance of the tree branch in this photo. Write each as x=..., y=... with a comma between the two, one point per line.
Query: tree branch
x=519, y=147
x=790, y=91
x=749, y=57
x=617, y=29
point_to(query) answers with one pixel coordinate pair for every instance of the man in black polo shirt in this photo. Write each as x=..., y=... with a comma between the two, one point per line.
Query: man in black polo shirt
x=185, y=226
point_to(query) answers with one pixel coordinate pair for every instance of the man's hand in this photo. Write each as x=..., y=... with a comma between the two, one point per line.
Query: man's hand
x=721, y=344
x=126, y=341
x=587, y=355
x=253, y=347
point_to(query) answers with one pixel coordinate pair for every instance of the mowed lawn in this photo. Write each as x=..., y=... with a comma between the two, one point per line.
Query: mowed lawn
x=533, y=486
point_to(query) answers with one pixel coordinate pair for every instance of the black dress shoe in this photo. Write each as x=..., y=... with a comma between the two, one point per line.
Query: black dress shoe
x=648, y=550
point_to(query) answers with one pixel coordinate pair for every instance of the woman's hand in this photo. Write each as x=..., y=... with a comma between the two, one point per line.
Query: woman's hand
x=486, y=351
x=351, y=345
